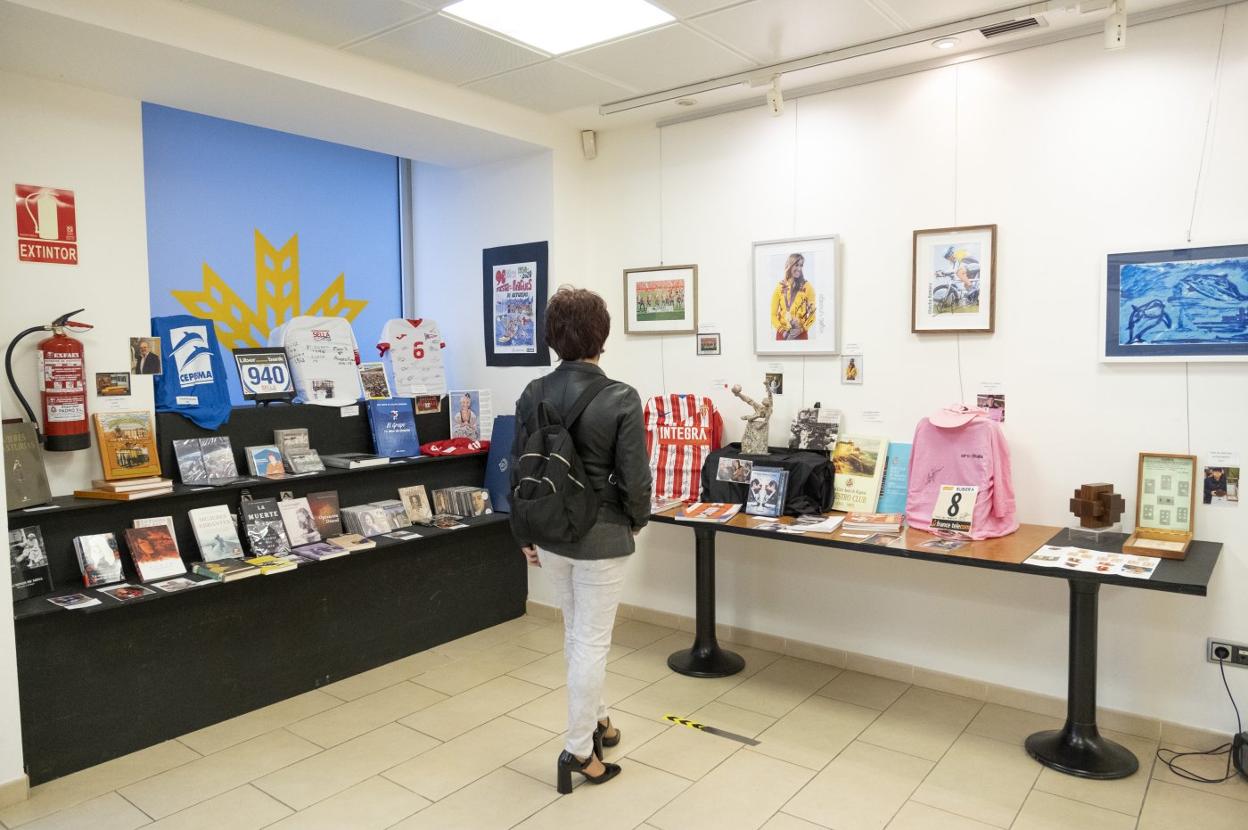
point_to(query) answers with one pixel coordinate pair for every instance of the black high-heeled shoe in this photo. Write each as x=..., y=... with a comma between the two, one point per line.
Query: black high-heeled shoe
x=569, y=763
x=601, y=739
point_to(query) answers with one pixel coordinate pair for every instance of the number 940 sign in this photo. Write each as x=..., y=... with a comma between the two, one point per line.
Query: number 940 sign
x=264, y=374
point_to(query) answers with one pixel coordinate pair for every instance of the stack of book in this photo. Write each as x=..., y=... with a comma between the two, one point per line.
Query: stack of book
x=462, y=501
x=708, y=511
x=873, y=522
x=127, y=489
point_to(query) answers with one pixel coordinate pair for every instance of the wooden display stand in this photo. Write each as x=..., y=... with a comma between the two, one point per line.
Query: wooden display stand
x=1152, y=536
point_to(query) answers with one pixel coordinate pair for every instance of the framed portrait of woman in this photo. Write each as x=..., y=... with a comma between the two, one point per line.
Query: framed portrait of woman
x=797, y=288
x=955, y=279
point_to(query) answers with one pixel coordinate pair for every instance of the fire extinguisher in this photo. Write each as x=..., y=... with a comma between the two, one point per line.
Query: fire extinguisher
x=63, y=384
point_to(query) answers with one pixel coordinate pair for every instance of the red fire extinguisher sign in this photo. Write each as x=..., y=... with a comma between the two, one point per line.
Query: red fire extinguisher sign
x=47, y=227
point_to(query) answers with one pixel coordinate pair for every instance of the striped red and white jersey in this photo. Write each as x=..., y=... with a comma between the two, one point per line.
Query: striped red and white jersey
x=681, y=431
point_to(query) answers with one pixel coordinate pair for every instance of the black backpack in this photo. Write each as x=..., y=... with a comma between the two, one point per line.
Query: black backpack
x=553, y=500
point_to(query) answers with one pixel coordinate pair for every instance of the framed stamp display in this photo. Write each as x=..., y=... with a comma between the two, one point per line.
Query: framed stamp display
x=513, y=299
x=1165, y=506
x=708, y=343
x=954, y=287
x=661, y=300
x=264, y=374
x=797, y=296
x=1182, y=304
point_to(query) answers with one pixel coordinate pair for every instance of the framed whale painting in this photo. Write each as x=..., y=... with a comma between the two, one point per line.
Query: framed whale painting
x=1185, y=304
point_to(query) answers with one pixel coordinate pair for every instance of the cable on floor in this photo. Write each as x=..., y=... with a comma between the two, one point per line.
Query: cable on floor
x=1225, y=749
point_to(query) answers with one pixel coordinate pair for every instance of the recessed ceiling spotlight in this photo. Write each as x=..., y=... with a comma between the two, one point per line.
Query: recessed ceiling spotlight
x=686, y=102
x=559, y=26
x=945, y=43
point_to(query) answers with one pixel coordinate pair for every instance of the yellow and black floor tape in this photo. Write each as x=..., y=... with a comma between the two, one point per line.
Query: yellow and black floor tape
x=710, y=730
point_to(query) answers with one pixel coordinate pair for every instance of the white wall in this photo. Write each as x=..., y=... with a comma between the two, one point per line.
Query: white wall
x=67, y=137
x=1073, y=152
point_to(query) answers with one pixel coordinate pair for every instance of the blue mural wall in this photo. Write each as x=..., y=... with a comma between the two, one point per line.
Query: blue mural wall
x=249, y=227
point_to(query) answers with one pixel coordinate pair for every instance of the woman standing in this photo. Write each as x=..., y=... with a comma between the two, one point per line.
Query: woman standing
x=793, y=302
x=588, y=574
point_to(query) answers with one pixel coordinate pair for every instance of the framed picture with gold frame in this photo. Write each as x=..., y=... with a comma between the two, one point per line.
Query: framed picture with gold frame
x=661, y=300
x=1165, y=506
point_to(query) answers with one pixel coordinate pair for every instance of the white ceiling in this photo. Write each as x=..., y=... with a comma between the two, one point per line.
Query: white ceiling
x=710, y=38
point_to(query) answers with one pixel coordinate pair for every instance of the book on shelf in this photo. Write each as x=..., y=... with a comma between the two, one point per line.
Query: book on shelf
x=354, y=460
x=225, y=570
x=262, y=520
x=306, y=462
x=25, y=477
x=858, y=465
x=325, y=512
x=219, y=459
x=708, y=511
x=352, y=542
x=159, y=521
x=366, y=520
x=268, y=565
x=190, y=458
x=127, y=444
x=265, y=460
x=154, y=552
x=29, y=571
x=766, y=492
x=320, y=551
x=98, y=559
x=127, y=495
x=395, y=512
x=132, y=485
x=394, y=428
x=216, y=533
x=873, y=522
x=662, y=504
x=299, y=523
x=416, y=501
x=291, y=442
x=896, y=478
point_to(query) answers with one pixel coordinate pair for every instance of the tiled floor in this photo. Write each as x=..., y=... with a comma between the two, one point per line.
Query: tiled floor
x=466, y=736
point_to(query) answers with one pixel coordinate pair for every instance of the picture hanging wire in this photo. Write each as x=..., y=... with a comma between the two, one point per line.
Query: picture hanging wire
x=957, y=337
x=1214, y=89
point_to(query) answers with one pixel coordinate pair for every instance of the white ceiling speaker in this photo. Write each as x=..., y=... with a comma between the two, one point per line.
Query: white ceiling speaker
x=589, y=144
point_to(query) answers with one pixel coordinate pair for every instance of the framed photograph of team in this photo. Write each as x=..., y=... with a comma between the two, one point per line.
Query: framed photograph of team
x=797, y=296
x=955, y=272
x=661, y=300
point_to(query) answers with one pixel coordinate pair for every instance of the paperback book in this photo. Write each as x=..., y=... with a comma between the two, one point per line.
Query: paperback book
x=896, y=477
x=226, y=570
x=291, y=442
x=190, y=459
x=265, y=461
x=219, y=459
x=324, y=507
x=320, y=551
x=766, y=492
x=98, y=559
x=394, y=428
x=25, y=477
x=29, y=571
x=159, y=521
x=352, y=542
x=396, y=513
x=306, y=462
x=216, y=533
x=708, y=511
x=268, y=565
x=858, y=463
x=298, y=521
x=265, y=532
x=154, y=552
x=874, y=522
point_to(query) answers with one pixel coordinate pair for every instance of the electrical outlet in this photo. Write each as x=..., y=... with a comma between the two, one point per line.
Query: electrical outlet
x=1236, y=654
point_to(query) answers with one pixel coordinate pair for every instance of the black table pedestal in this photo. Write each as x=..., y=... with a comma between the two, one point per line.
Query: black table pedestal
x=706, y=658
x=1078, y=748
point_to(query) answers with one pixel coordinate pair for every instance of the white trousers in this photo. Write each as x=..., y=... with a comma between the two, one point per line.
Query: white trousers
x=588, y=591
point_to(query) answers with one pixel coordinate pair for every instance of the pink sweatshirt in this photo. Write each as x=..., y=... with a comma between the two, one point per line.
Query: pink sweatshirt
x=974, y=453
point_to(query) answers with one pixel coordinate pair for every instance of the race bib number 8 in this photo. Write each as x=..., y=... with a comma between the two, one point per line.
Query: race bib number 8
x=955, y=508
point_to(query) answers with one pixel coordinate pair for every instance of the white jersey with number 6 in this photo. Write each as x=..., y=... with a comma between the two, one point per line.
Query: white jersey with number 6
x=415, y=349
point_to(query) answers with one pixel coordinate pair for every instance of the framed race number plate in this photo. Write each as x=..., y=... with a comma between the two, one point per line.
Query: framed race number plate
x=264, y=374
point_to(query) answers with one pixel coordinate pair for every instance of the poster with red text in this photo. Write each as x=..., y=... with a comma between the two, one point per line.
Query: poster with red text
x=47, y=227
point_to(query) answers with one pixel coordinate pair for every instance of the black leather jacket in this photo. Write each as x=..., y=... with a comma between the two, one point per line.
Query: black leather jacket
x=609, y=435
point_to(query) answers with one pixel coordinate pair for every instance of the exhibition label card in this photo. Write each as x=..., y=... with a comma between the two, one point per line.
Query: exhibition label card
x=955, y=507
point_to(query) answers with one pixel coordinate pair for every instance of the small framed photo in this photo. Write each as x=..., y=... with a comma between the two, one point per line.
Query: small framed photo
x=796, y=296
x=145, y=355
x=708, y=344
x=661, y=300
x=373, y=379
x=851, y=368
x=734, y=470
x=111, y=384
x=954, y=288
x=264, y=374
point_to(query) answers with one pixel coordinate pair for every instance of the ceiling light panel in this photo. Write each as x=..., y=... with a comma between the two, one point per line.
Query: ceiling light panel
x=559, y=26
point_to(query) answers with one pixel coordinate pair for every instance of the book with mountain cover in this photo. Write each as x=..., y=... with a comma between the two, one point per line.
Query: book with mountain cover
x=216, y=533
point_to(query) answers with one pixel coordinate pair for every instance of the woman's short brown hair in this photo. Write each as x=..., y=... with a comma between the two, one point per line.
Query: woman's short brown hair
x=577, y=323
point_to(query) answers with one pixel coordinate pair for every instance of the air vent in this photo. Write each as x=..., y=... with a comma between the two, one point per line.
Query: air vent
x=1009, y=26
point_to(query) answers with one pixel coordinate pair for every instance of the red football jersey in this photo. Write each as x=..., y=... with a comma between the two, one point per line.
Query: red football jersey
x=681, y=430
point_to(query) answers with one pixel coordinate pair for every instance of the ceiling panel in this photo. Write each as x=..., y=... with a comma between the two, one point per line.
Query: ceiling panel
x=550, y=87
x=325, y=21
x=448, y=50
x=777, y=30
x=661, y=59
x=688, y=8
x=920, y=14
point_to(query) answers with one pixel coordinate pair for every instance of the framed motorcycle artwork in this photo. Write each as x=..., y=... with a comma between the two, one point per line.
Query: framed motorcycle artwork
x=955, y=280
x=797, y=289
x=1181, y=304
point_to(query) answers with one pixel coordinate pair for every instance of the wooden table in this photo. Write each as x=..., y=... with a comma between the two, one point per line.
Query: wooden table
x=1077, y=748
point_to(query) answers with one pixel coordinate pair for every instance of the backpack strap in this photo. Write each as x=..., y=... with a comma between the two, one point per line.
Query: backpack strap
x=586, y=398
